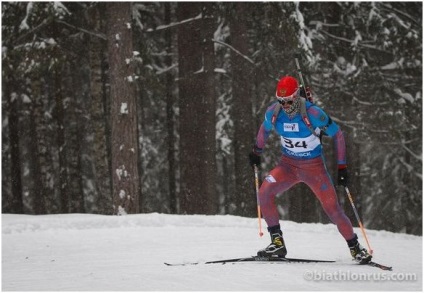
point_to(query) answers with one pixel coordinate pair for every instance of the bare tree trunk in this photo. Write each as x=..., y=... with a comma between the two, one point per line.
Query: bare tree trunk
x=70, y=150
x=78, y=163
x=244, y=196
x=126, y=186
x=38, y=150
x=6, y=178
x=61, y=142
x=15, y=202
x=207, y=92
x=197, y=111
x=188, y=62
x=170, y=117
x=99, y=117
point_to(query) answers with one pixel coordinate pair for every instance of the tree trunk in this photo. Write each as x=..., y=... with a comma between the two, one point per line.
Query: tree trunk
x=70, y=150
x=126, y=186
x=40, y=166
x=197, y=110
x=99, y=117
x=15, y=203
x=170, y=117
x=244, y=194
x=207, y=91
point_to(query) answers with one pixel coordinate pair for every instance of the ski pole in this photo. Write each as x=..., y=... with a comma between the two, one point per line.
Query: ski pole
x=257, y=200
x=358, y=219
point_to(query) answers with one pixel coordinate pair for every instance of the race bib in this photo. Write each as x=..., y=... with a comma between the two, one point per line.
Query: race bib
x=300, y=145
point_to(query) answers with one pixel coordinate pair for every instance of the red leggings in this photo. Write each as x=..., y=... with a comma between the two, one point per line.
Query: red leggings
x=314, y=174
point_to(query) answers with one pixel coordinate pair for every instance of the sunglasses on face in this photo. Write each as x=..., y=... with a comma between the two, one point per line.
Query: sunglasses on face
x=289, y=100
x=284, y=101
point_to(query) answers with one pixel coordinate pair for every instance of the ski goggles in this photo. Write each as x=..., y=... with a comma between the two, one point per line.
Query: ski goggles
x=289, y=100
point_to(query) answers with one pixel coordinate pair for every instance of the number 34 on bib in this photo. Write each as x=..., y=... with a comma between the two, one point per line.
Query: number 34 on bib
x=298, y=145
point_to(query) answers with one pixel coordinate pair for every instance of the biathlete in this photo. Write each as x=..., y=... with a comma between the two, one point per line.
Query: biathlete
x=302, y=161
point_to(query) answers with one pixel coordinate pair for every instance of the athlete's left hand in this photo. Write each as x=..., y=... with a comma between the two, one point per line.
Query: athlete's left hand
x=342, y=177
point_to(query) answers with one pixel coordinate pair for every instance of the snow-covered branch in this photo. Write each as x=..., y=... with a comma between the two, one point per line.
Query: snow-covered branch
x=172, y=24
x=360, y=44
x=234, y=50
x=96, y=34
x=416, y=156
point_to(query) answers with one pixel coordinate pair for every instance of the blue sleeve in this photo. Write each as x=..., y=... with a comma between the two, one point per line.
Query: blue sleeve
x=268, y=117
x=264, y=130
x=321, y=120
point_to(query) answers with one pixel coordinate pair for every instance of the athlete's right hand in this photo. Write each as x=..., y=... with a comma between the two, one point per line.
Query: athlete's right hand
x=254, y=159
x=342, y=177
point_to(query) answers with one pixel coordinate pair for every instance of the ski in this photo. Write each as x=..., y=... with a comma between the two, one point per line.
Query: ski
x=377, y=265
x=274, y=259
x=255, y=259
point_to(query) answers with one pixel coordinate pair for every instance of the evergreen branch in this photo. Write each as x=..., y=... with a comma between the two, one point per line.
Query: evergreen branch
x=38, y=27
x=402, y=13
x=98, y=35
x=172, y=24
x=360, y=44
x=364, y=102
x=243, y=56
x=418, y=157
x=234, y=50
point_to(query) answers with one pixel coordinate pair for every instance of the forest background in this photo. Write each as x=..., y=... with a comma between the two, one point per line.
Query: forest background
x=140, y=107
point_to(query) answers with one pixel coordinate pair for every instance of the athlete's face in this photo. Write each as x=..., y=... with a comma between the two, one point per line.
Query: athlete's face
x=288, y=102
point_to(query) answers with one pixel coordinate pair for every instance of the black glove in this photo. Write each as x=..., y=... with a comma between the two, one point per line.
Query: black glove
x=254, y=159
x=342, y=177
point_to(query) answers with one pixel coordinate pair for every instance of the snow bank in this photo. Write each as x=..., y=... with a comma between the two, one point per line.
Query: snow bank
x=75, y=252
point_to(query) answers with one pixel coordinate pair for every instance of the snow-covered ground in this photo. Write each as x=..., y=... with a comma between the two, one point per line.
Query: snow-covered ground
x=80, y=252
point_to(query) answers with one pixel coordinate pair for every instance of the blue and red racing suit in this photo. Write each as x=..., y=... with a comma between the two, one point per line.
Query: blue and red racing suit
x=302, y=161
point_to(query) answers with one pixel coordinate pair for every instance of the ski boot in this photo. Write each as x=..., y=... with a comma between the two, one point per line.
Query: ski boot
x=359, y=253
x=277, y=248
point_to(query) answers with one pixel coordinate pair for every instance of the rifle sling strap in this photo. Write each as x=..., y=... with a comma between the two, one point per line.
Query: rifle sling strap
x=303, y=113
x=305, y=117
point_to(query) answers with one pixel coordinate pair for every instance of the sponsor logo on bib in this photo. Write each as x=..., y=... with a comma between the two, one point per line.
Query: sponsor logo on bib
x=291, y=127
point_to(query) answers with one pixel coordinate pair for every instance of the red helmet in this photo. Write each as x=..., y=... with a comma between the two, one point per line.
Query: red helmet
x=286, y=87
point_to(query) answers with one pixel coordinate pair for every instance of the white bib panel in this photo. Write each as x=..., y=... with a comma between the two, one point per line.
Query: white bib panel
x=300, y=145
